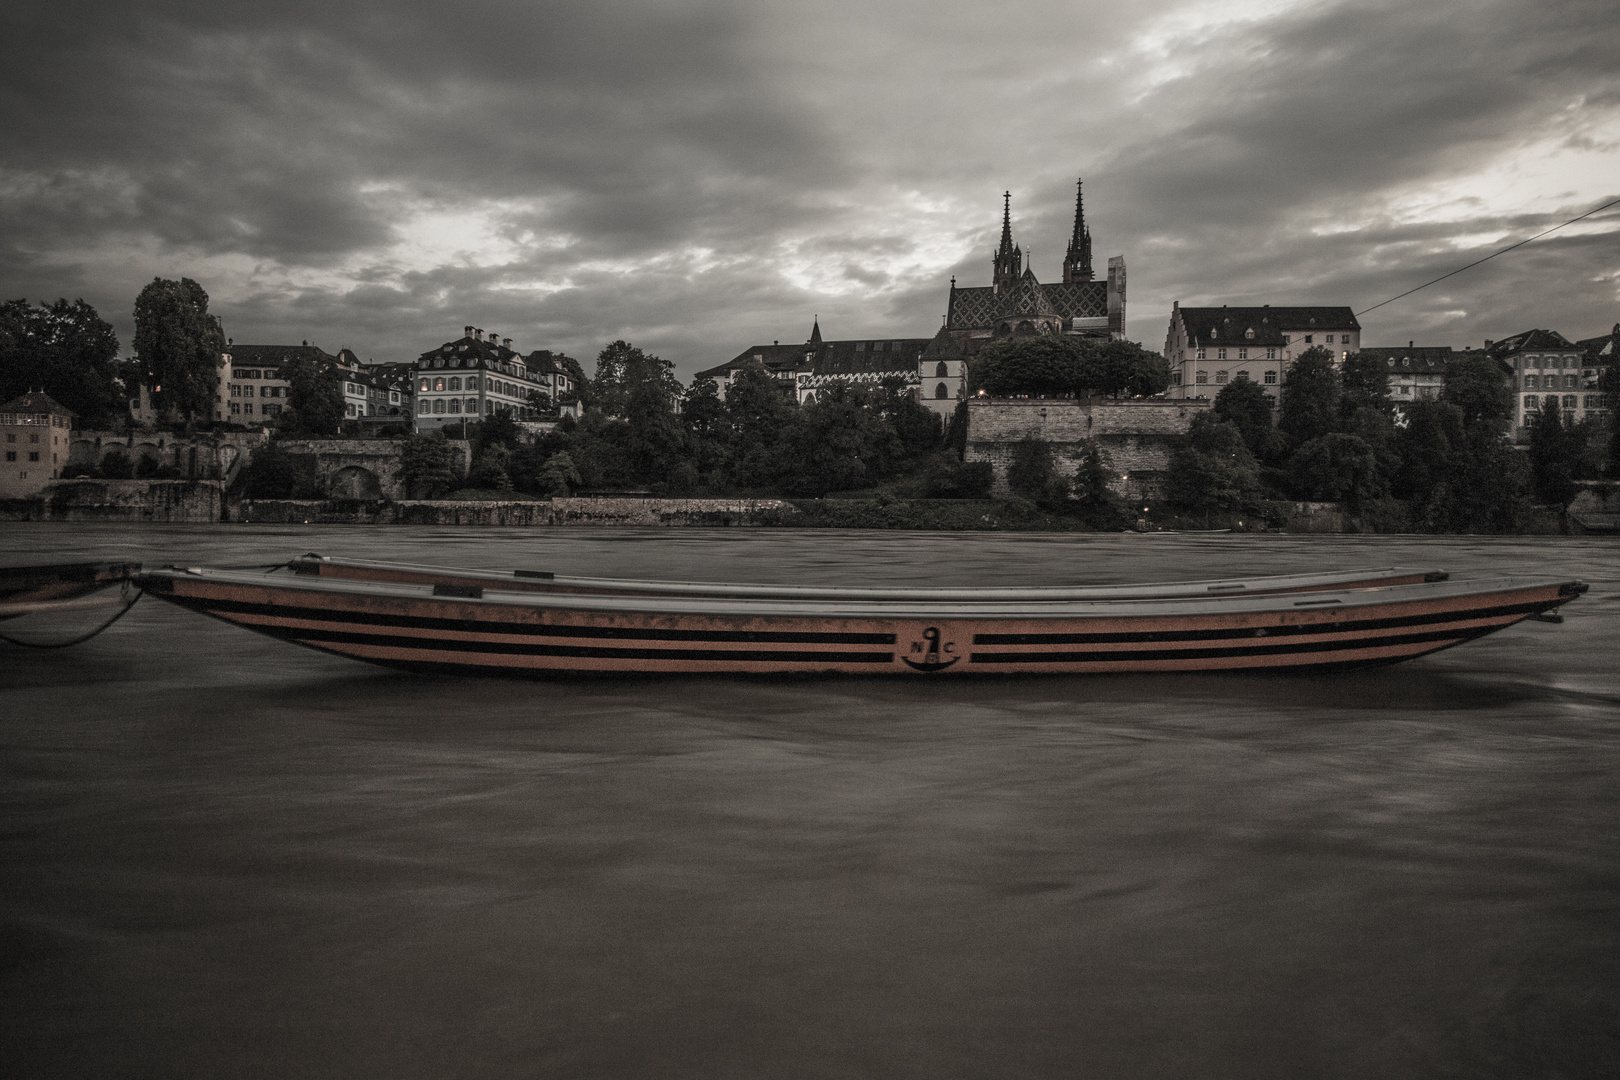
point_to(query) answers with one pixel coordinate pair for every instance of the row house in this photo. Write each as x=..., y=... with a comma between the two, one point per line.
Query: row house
x=477, y=376
x=1210, y=347
x=1416, y=372
x=1544, y=366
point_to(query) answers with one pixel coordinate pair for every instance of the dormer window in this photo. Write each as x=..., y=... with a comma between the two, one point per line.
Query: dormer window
x=1214, y=333
x=1249, y=333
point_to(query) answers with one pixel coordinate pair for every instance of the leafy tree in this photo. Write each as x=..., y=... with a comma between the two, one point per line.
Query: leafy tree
x=1609, y=383
x=1212, y=471
x=178, y=345
x=1094, y=497
x=1032, y=366
x=1476, y=385
x=581, y=391
x=497, y=429
x=836, y=443
x=427, y=464
x=315, y=403
x=540, y=401
x=708, y=431
x=273, y=473
x=1120, y=368
x=1365, y=382
x=1556, y=449
x=1309, y=402
x=957, y=430
x=625, y=374
x=759, y=414
x=68, y=351
x=1425, y=447
x=558, y=476
x=1337, y=468
x=115, y=465
x=488, y=472
x=1246, y=404
x=1032, y=473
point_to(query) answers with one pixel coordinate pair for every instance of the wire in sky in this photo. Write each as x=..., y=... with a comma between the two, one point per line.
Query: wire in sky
x=1488, y=258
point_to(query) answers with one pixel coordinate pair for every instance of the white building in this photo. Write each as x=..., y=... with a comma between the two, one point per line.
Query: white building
x=474, y=377
x=1210, y=347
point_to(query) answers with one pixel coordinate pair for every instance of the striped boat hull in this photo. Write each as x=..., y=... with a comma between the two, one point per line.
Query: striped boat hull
x=514, y=633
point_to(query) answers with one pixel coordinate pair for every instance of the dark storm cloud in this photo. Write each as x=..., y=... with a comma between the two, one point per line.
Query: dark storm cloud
x=698, y=176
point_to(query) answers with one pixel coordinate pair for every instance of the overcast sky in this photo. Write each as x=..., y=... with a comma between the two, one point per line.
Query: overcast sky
x=700, y=175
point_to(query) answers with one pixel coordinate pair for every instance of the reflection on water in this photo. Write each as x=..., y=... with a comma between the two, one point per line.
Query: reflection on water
x=227, y=856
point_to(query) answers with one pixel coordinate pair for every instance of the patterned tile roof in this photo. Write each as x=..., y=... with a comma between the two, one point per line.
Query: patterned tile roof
x=977, y=307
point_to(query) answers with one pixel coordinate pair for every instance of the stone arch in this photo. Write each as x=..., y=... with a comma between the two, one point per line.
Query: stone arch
x=143, y=452
x=941, y=392
x=1004, y=330
x=355, y=482
x=1025, y=327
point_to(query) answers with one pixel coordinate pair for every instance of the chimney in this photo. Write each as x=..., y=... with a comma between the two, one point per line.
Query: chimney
x=1409, y=344
x=506, y=342
x=478, y=335
x=466, y=331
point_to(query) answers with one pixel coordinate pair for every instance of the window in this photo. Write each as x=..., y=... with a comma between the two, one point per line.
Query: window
x=11, y=455
x=1530, y=401
x=1199, y=355
x=33, y=455
x=422, y=408
x=349, y=409
x=455, y=405
x=1271, y=354
x=472, y=404
x=271, y=410
x=438, y=406
x=1202, y=378
x=1271, y=378
x=1220, y=354
x=1530, y=382
x=236, y=391
x=438, y=384
x=236, y=409
x=1249, y=334
x=1243, y=354
x=423, y=387
x=455, y=384
x=940, y=391
x=1329, y=339
x=275, y=391
x=941, y=371
x=1569, y=382
x=1220, y=376
x=472, y=382
x=1594, y=400
x=1569, y=401
x=1288, y=339
x=1307, y=339
x=247, y=408
x=1406, y=390
x=1242, y=376
x=1175, y=378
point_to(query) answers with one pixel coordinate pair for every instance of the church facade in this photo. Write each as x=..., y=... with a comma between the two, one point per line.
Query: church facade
x=1014, y=304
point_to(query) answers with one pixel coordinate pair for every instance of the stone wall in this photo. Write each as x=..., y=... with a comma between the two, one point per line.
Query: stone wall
x=156, y=501
x=209, y=456
x=554, y=512
x=1136, y=435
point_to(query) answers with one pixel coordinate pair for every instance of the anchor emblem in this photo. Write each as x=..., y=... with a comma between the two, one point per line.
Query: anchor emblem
x=930, y=648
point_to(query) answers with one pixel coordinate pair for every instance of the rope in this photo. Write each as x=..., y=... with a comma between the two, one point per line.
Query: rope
x=80, y=639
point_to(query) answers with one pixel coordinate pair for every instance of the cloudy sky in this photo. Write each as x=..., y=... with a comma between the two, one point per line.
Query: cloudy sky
x=700, y=175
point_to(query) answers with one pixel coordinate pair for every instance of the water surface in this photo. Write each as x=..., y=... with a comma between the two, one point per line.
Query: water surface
x=227, y=856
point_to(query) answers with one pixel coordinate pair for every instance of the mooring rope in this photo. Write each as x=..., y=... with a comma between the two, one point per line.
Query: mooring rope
x=81, y=639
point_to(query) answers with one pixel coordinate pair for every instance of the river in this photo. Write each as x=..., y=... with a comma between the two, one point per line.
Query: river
x=227, y=856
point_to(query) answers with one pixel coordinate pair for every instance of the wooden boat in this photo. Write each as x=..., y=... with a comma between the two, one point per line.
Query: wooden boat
x=548, y=582
x=470, y=629
x=27, y=590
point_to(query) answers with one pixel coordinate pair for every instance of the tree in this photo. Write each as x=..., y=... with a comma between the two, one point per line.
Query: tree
x=489, y=470
x=427, y=464
x=1094, y=497
x=836, y=443
x=1364, y=379
x=315, y=403
x=1212, y=471
x=759, y=415
x=178, y=345
x=1309, y=403
x=624, y=373
x=1120, y=368
x=1337, y=468
x=1476, y=384
x=1030, y=366
x=1609, y=383
x=1246, y=404
x=66, y=350
x=273, y=473
x=558, y=476
x=1032, y=473
x=1556, y=449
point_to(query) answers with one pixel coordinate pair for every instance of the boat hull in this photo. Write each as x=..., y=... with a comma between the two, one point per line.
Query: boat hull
x=518, y=634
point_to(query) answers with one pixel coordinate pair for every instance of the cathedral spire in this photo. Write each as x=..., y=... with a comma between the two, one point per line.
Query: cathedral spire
x=1077, y=261
x=1009, y=259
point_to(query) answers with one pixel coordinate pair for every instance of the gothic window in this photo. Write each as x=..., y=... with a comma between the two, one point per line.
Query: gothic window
x=941, y=392
x=1026, y=327
x=942, y=372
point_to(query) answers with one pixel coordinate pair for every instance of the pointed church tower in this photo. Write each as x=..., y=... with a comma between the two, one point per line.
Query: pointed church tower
x=1009, y=260
x=815, y=331
x=1077, y=262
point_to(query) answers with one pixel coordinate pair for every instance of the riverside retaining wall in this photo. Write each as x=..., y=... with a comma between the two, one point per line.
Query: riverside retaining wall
x=553, y=512
x=156, y=501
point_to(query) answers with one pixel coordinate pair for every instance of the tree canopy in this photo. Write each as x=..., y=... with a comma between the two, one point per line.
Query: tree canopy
x=1063, y=366
x=66, y=350
x=178, y=345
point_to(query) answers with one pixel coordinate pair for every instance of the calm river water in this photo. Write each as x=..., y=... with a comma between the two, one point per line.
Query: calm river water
x=226, y=856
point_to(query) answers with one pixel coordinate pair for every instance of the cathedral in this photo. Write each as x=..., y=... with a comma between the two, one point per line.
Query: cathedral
x=1014, y=304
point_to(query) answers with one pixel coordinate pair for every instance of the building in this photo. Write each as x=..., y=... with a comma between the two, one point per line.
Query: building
x=1209, y=347
x=1015, y=304
x=251, y=389
x=477, y=376
x=1544, y=365
x=34, y=430
x=1600, y=354
x=1416, y=372
x=934, y=370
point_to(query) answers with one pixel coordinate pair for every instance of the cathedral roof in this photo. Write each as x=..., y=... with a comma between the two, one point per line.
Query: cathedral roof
x=976, y=308
x=944, y=347
x=1026, y=300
